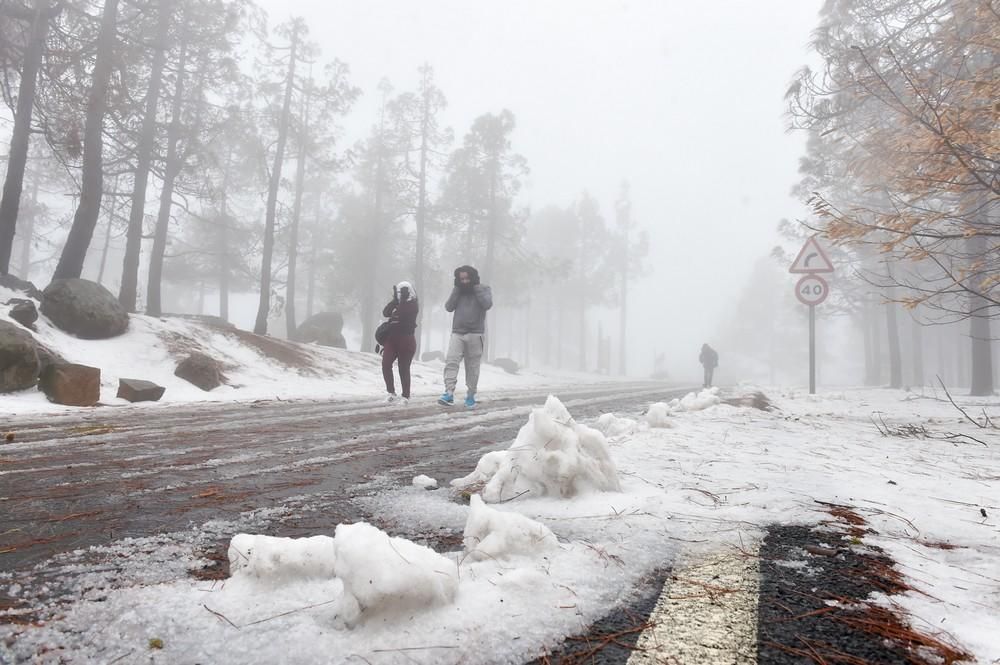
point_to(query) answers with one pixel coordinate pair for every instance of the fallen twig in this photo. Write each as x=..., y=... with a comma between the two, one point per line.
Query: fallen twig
x=221, y=616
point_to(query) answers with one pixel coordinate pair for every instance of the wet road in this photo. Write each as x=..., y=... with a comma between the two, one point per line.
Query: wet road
x=72, y=481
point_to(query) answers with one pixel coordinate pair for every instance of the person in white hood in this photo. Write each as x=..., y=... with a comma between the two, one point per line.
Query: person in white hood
x=401, y=342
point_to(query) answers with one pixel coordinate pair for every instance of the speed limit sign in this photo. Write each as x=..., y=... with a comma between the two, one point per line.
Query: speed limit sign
x=812, y=290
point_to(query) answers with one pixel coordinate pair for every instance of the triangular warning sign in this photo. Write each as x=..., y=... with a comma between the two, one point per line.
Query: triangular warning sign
x=811, y=259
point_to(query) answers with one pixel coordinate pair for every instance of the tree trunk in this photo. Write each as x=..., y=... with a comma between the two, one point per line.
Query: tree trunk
x=223, y=248
x=171, y=168
x=917, y=349
x=104, y=250
x=28, y=233
x=17, y=159
x=293, y=232
x=421, y=216
x=128, y=293
x=92, y=178
x=979, y=326
x=876, y=335
x=895, y=358
x=313, y=251
x=866, y=335
x=264, y=306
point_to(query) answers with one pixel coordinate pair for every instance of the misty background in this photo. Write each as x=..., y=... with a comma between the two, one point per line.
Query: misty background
x=582, y=155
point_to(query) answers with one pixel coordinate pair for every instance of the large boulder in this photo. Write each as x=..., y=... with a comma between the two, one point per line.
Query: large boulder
x=19, y=365
x=47, y=356
x=83, y=308
x=23, y=311
x=200, y=370
x=15, y=284
x=71, y=384
x=325, y=329
x=138, y=390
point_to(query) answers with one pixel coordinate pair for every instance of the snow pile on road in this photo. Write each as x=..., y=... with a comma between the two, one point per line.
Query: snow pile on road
x=658, y=415
x=278, y=560
x=553, y=455
x=612, y=426
x=379, y=574
x=425, y=482
x=696, y=401
x=494, y=534
x=387, y=575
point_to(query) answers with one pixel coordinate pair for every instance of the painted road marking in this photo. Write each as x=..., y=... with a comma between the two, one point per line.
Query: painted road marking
x=706, y=613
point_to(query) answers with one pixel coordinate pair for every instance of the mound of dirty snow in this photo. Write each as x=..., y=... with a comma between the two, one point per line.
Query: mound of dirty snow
x=553, y=455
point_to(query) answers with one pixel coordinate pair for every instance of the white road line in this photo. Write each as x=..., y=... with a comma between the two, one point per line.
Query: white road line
x=706, y=614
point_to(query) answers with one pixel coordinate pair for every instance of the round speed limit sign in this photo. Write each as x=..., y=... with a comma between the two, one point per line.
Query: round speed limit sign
x=812, y=290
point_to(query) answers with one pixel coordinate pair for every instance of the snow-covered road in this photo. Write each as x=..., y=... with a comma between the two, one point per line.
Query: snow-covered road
x=70, y=481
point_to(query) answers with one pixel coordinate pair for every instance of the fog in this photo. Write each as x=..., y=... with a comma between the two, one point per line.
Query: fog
x=411, y=138
x=683, y=100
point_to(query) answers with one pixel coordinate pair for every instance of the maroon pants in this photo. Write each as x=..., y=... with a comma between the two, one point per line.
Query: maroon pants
x=401, y=348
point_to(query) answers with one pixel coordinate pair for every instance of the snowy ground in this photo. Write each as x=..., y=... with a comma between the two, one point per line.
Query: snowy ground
x=701, y=480
x=255, y=367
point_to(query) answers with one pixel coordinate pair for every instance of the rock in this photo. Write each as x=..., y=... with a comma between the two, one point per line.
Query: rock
x=137, y=390
x=47, y=356
x=71, y=384
x=507, y=365
x=325, y=329
x=25, y=287
x=83, y=308
x=23, y=311
x=200, y=370
x=19, y=364
x=431, y=355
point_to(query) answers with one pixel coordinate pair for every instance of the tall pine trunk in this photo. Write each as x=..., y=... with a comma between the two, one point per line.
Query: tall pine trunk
x=264, y=306
x=92, y=178
x=979, y=325
x=171, y=168
x=17, y=159
x=293, y=232
x=917, y=344
x=895, y=356
x=128, y=293
x=421, y=216
x=28, y=232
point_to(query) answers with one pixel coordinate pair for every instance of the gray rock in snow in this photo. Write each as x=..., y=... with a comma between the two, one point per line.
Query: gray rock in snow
x=19, y=364
x=84, y=308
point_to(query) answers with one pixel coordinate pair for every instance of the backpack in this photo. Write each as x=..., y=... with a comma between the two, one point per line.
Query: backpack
x=381, y=333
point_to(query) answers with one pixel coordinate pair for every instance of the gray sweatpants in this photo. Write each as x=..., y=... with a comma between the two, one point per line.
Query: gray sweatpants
x=467, y=346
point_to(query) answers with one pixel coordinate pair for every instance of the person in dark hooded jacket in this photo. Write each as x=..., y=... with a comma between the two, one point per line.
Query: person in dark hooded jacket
x=469, y=301
x=709, y=360
x=401, y=343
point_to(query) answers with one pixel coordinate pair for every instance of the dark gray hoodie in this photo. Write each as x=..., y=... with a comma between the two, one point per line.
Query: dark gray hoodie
x=470, y=308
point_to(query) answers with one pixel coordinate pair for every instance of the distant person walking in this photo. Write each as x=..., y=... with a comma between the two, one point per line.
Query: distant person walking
x=401, y=343
x=469, y=301
x=709, y=359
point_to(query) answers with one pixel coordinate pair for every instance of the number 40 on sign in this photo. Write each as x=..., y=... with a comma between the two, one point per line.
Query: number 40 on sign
x=812, y=290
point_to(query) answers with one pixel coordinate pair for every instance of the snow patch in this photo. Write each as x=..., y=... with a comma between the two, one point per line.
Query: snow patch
x=425, y=482
x=612, y=426
x=553, y=455
x=494, y=534
x=658, y=415
x=387, y=575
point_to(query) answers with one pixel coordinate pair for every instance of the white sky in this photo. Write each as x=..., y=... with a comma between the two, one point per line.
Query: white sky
x=684, y=99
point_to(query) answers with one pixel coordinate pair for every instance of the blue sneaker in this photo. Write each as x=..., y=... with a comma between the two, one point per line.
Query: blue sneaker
x=470, y=401
x=446, y=399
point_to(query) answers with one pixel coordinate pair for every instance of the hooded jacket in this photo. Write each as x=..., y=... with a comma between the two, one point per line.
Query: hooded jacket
x=469, y=304
x=402, y=310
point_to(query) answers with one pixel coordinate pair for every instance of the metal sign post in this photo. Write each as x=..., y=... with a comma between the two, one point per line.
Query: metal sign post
x=811, y=290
